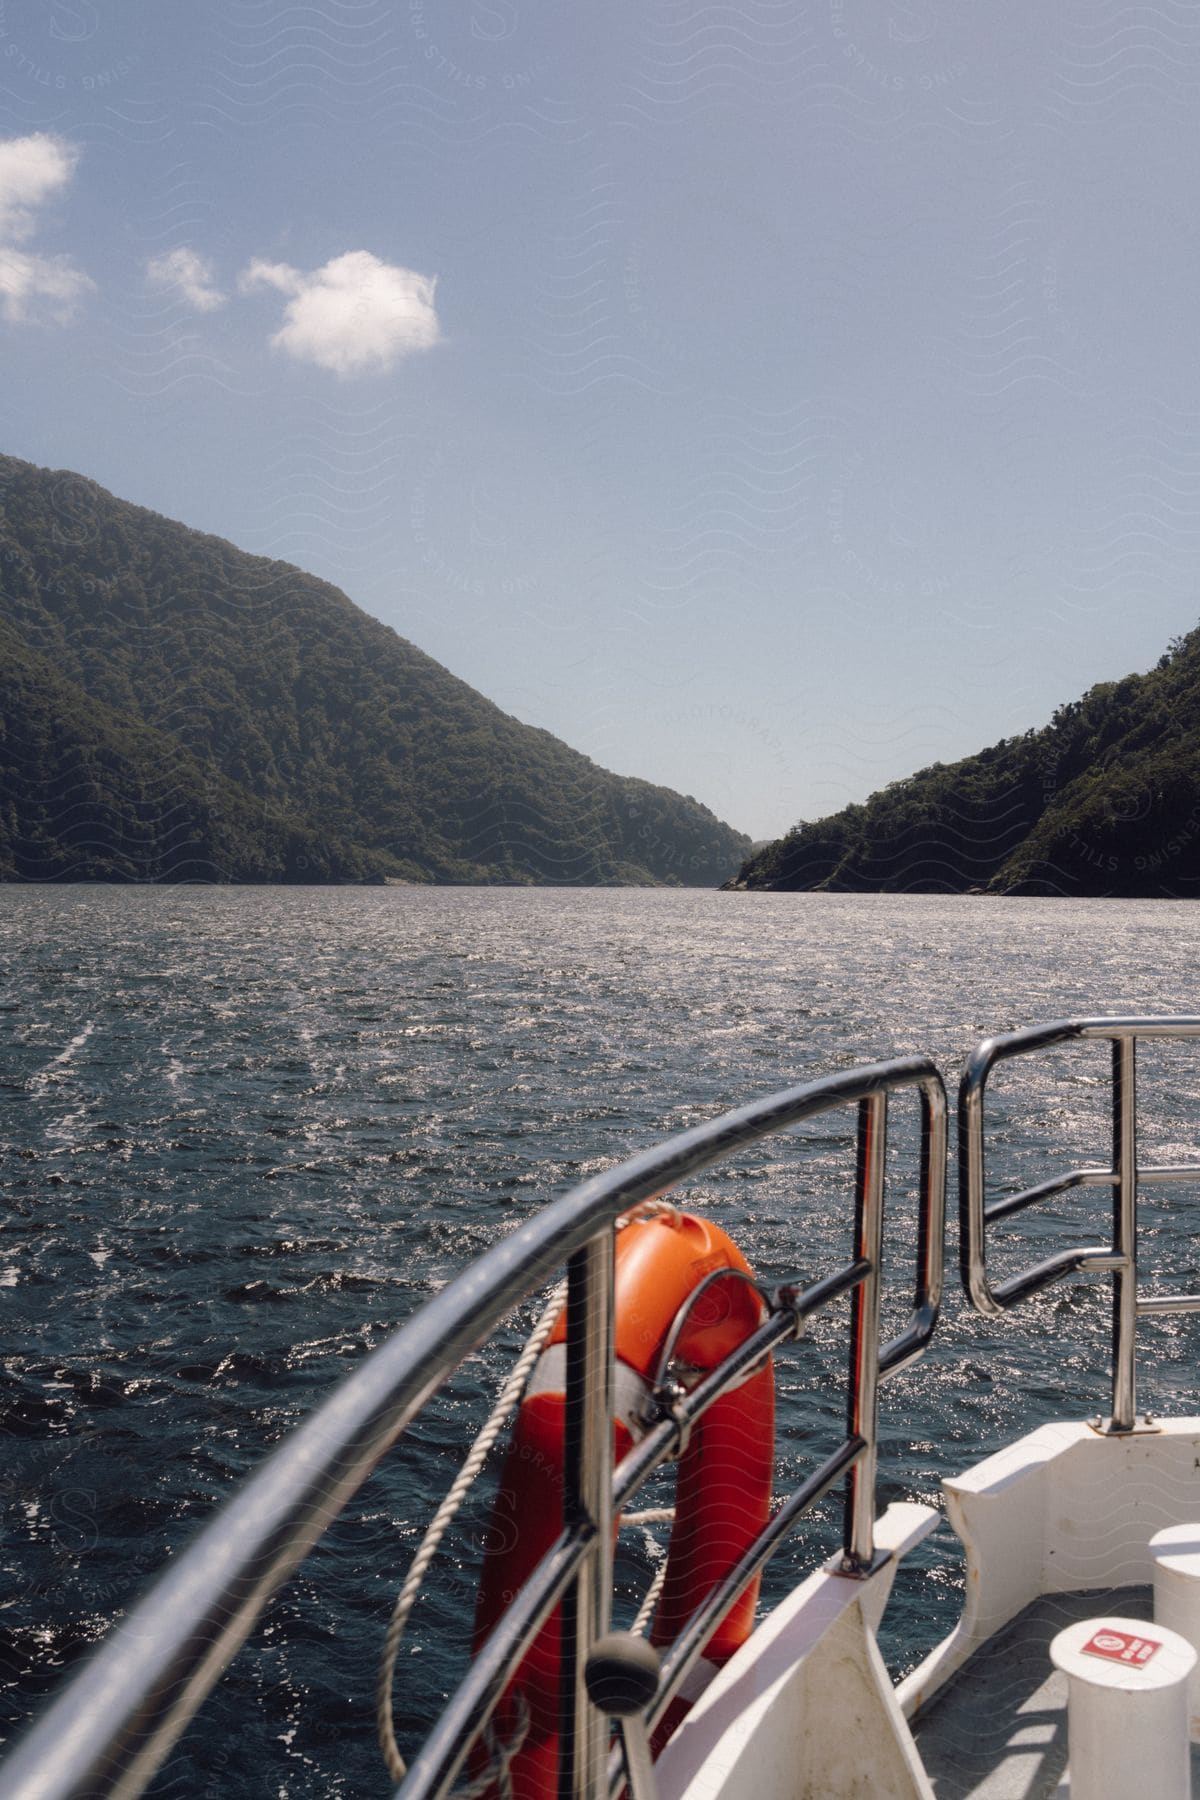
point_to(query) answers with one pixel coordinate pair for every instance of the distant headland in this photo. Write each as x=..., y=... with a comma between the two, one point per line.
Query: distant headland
x=1104, y=800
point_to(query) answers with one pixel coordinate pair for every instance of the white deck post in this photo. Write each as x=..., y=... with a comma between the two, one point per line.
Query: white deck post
x=1176, y=1552
x=1127, y=1709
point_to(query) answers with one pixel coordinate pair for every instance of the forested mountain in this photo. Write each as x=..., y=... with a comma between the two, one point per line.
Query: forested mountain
x=1103, y=800
x=174, y=709
x=89, y=794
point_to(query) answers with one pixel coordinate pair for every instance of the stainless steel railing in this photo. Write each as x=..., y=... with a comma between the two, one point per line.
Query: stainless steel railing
x=1123, y=1176
x=114, y=1724
x=583, y=1735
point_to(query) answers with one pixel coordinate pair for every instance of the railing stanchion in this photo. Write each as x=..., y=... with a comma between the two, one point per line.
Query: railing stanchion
x=588, y=1464
x=858, y=1541
x=1124, y=1127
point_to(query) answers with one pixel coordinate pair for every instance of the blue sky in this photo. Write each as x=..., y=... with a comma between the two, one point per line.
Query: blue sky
x=767, y=399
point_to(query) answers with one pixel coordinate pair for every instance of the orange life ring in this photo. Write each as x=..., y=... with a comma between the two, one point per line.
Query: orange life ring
x=723, y=1489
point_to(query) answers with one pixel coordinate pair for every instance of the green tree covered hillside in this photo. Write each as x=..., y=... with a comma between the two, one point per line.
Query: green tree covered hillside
x=1103, y=800
x=87, y=794
x=176, y=709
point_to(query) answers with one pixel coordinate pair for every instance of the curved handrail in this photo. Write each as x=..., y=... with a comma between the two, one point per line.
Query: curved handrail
x=116, y=1721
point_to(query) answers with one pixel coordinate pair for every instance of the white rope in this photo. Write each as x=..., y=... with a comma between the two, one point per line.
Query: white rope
x=500, y=1755
x=510, y=1394
x=641, y=1624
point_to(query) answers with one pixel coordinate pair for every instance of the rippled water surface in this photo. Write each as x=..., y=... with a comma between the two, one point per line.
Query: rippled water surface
x=244, y=1133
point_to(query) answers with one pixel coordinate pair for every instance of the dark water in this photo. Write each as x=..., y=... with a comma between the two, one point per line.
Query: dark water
x=244, y=1133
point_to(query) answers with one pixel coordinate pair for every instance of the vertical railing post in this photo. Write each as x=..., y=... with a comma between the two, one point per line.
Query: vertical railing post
x=931, y=1220
x=1124, y=1326
x=858, y=1536
x=587, y=1500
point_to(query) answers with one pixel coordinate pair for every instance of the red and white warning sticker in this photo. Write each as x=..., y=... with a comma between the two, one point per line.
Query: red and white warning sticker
x=1123, y=1647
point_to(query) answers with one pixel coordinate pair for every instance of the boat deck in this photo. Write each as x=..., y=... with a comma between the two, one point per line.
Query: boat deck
x=998, y=1730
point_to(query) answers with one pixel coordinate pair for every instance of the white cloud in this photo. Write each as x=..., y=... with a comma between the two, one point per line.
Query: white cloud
x=276, y=275
x=187, y=274
x=354, y=313
x=32, y=171
x=30, y=285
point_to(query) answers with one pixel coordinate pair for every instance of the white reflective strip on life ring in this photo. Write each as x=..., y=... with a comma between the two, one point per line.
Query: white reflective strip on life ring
x=631, y=1391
